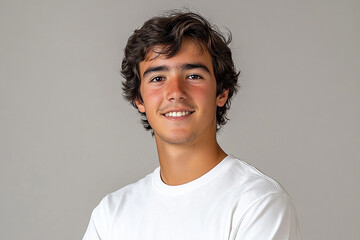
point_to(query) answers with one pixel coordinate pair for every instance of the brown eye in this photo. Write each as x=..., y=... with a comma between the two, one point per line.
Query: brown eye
x=157, y=79
x=194, y=76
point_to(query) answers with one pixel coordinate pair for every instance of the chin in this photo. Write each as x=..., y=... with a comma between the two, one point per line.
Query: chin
x=176, y=138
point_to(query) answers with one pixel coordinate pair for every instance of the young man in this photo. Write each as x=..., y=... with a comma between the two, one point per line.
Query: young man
x=180, y=75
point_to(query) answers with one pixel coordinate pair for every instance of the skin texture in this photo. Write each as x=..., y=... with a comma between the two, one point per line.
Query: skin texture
x=186, y=145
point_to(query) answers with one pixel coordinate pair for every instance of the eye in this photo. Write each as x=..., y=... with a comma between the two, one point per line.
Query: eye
x=194, y=76
x=157, y=79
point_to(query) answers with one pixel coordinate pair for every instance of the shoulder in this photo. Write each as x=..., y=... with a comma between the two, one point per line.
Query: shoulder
x=249, y=180
x=115, y=202
x=101, y=220
x=249, y=187
x=132, y=191
x=261, y=203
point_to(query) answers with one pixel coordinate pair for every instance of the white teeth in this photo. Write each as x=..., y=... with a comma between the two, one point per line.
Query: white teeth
x=176, y=114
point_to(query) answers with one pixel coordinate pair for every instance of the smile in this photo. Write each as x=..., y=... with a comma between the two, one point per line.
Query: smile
x=177, y=114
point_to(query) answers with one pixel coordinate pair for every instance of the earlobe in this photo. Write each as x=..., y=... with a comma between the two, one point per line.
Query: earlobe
x=140, y=105
x=222, y=98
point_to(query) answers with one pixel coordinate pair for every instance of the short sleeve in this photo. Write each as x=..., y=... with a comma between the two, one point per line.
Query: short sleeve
x=97, y=228
x=91, y=232
x=271, y=217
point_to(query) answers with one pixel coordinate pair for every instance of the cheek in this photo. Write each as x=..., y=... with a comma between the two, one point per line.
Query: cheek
x=205, y=95
x=151, y=98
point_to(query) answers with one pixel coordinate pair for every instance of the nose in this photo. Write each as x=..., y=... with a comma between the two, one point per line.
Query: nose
x=176, y=89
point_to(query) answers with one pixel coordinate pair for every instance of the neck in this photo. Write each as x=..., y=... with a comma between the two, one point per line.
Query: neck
x=184, y=163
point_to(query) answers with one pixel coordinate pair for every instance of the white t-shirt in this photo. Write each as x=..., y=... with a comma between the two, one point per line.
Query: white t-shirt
x=232, y=201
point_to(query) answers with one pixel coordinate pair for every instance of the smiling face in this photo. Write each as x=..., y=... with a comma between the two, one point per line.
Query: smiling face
x=179, y=94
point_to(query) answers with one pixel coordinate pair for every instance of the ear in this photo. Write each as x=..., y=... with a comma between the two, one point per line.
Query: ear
x=222, y=97
x=140, y=105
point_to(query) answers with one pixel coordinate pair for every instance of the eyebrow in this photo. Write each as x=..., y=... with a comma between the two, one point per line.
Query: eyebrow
x=186, y=66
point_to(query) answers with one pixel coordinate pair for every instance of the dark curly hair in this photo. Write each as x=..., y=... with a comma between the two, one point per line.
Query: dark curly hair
x=169, y=30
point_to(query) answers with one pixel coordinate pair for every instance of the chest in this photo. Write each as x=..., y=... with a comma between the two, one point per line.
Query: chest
x=194, y=216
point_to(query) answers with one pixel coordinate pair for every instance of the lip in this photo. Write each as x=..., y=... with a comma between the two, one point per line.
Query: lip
x=178, y=110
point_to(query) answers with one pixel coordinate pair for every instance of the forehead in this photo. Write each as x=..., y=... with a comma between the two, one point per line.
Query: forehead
x=191, y=51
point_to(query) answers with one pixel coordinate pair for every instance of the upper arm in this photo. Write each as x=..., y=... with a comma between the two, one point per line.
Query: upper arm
x=271, y=217
x=99, y=222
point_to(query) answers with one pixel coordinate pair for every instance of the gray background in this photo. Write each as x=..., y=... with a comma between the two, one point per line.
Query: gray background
x=67, y=137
